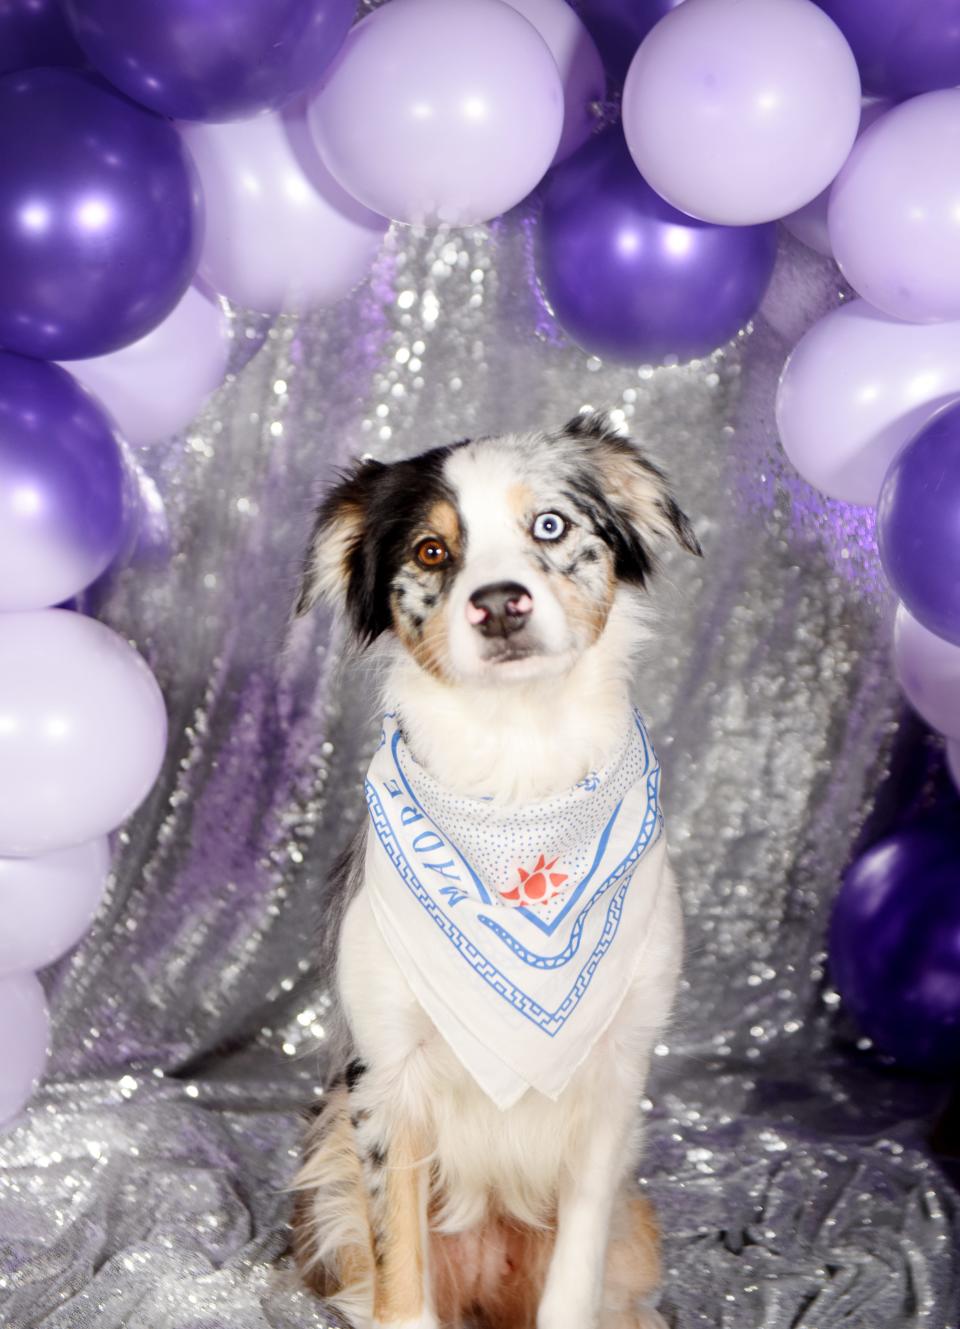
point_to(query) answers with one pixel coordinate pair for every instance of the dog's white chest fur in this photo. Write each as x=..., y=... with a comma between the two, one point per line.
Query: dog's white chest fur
x=519, y=1154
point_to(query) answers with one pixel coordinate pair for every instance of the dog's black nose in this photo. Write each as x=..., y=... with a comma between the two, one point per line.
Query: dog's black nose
x=499, y=609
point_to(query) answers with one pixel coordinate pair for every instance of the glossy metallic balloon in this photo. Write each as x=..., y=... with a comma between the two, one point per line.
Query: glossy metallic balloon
x=35, y=32
x=211, y=59
x=619, y=26
x=895, y=945
x=902, y=46
x=918, y=525
x=100, y=216
x=628, y=276
x=64, y=497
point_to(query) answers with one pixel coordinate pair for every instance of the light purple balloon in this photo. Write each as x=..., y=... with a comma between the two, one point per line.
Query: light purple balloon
x=24, y=1041
x=154, y=387
x=809, y=223
x=740, y=111
x=46, y=903
x=281, y=233
x=578, y=60
x=929, y=672
x=440, y=113
x=856, y=388
x=894, y=211
x=82, y=730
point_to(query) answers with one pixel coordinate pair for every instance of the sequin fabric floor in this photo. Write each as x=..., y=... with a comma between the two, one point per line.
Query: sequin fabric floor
x=145, y=1185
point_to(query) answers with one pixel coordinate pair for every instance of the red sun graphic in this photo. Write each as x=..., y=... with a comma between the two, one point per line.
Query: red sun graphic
x=536, y=887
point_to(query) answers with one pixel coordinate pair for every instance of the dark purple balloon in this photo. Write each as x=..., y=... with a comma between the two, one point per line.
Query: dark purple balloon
x=895, y=944
x=65, y=501
x=630, y=277
x=211, y=59
x=35, y=32
x=100, y=216
x=918, y=525
x=619, y=26
x=902, y=46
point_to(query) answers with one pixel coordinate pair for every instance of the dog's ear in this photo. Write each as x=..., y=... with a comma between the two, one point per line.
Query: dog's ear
x=634, y=507
x=341, y=561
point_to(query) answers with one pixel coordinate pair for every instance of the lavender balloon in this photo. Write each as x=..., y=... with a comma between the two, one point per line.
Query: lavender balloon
x=893, y=215
x=63, y=494
x=629, y=277
x=281, y=232
x=579, y=63
x=619, y=26
x=740, y=111
x=895, y=945
x=82, y=731
x=100, y=216
x=902, y=46
x=918, y=525
x=35, y=32
x=928, y=669
x=856, y=388
x=809, y=223
x=214, y=60
x=24, y=1041
x=155, y=386
x=429, y=118
x=46, y=903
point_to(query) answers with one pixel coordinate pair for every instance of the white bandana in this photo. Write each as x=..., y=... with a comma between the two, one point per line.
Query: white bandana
x=518, y=929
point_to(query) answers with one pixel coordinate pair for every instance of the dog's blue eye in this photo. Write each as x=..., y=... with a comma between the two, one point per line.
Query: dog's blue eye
x=548, y=526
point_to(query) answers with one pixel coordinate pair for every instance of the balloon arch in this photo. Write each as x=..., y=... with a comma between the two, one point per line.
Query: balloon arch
x=180, y=155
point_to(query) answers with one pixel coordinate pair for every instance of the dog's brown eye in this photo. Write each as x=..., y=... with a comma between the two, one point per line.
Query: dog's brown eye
x=432, y=552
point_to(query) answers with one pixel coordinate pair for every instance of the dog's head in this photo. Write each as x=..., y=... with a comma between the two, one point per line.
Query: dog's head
x=498, y=559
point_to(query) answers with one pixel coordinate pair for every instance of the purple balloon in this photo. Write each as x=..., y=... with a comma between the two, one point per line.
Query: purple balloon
x=100, y=216
x=24, y=1041
x=918, y=525
x=893, y=216
x=895, y=945
x=628, y=276
x=902, y=46
x=46, y=903
x=64, y=499
x=619, y=26
x=211, y=59
x=928, y=669
x=82, y=731
x=35, y=32
x=426, y=117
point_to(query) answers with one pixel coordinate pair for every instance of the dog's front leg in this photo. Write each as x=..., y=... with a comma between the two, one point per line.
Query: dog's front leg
x=573, y=1290
x=390, y=1113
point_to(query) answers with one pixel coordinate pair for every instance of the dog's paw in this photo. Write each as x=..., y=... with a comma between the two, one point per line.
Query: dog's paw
x=559, y=1312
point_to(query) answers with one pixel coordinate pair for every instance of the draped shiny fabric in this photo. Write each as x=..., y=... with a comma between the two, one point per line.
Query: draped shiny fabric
x=145, y=1185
